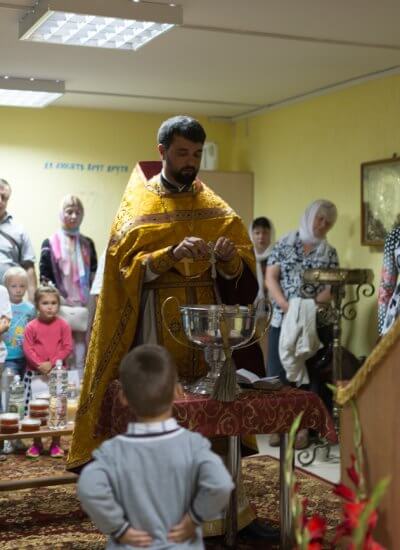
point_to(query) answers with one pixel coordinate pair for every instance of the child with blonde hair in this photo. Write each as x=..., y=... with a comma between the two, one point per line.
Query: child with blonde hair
x=16, y=282
x=48, y=338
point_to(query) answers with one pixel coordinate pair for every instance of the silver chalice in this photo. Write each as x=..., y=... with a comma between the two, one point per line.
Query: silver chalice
x=216, y=329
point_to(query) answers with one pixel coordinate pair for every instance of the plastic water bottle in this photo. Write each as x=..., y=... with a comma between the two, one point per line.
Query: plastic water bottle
x=16, y=401
x=72, y=405
x=7, y=378
x=58, y=386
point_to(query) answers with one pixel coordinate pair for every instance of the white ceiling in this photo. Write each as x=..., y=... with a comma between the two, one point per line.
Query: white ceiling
x=229, y=58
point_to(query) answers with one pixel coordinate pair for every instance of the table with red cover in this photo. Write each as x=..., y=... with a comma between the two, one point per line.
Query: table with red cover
x=253, y=412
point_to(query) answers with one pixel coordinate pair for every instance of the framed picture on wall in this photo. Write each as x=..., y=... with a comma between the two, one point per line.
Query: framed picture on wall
x=380, y=199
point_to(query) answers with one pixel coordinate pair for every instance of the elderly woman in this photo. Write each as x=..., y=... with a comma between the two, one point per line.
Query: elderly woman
x=297, y=251
x=68, y=260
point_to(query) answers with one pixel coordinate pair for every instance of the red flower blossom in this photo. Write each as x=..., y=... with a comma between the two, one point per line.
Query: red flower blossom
x=371, y=544
x=352, y=512
x=316, y=526
x=345, y=492
x=352, y=473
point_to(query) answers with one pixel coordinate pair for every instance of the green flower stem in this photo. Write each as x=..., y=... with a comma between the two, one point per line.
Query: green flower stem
x=359, y=452
x=372, y=504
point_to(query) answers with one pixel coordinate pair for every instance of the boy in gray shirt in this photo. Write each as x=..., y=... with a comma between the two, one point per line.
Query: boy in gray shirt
x=156, y=484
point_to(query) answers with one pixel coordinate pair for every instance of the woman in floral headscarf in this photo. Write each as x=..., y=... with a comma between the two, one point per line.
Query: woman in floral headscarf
x=297, y=251
x=68, y=260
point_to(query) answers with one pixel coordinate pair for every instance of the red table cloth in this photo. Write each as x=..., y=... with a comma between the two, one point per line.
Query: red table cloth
x=253, y=412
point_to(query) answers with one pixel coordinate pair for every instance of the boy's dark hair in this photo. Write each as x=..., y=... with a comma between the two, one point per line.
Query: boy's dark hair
x=148, y=378
x=184, y=126
x=45, y=289
x=261, y=222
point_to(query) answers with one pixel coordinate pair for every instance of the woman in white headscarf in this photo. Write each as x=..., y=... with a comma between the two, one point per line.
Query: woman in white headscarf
x=297, y=251
x=68, y=260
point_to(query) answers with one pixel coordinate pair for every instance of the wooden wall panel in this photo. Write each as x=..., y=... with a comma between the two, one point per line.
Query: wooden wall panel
x=378, y=405
x=236, y=188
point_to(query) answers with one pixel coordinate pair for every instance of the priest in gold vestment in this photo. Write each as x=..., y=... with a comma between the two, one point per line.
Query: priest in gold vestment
x=159, y=248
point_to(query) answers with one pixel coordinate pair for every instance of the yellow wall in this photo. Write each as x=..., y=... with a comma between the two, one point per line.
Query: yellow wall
x=297, y=153
x=30, y=138
x=313, y=150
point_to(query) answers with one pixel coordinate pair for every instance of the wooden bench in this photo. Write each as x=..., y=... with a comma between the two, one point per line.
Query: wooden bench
x=29, y=483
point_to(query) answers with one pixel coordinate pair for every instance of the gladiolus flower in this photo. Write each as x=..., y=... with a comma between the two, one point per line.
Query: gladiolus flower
x=352, y=473
x=345, y=492
x=353, y=510
x=316, y=526
x=371, y=544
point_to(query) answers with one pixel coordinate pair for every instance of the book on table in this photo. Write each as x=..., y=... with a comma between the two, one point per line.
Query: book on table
x=250, y=380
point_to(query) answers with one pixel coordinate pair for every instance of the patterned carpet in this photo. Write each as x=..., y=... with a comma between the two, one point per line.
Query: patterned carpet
x=50, y=517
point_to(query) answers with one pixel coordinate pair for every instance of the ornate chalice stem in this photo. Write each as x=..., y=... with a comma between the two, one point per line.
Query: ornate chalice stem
x=215, y=358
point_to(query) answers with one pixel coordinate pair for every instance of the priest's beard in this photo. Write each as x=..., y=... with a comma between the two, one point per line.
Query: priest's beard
x=185, y=176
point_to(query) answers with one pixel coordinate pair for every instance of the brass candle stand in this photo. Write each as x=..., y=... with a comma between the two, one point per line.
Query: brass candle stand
x=332, y=313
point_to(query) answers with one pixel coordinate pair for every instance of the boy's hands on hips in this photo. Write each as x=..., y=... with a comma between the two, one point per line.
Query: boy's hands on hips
x=183, y=531
x=134, y=537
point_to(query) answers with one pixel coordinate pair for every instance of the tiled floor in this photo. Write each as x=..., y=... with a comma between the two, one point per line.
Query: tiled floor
x=327, y=469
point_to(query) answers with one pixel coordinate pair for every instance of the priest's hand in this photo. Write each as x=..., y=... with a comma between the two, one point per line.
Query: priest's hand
x=225, y=249
x=191, y=247
x=185, y=530
x=134, y=537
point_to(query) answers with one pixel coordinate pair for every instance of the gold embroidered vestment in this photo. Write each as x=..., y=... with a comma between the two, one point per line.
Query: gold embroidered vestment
x=147, y=225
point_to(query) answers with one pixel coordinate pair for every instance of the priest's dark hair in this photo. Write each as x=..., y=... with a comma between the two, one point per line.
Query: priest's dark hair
x=181, y=125
x=148, y=377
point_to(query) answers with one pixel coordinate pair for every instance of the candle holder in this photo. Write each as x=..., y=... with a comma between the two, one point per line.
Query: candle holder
x=333, y=313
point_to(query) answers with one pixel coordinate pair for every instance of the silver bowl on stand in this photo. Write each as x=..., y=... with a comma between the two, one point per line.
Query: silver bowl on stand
x=202, y=327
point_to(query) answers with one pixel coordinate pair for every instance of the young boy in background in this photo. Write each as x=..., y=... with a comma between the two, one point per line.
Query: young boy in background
x=156, y=484
x=16, y=281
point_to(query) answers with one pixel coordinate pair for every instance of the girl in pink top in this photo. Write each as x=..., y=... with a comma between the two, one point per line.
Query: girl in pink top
x=46, y=339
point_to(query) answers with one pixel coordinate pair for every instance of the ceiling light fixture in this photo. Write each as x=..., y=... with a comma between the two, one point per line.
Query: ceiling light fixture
x=29, y=92
x=115, y=24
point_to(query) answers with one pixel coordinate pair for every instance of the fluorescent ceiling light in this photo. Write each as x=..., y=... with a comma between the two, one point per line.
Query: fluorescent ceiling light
x=29, y=92
x=115, y=24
